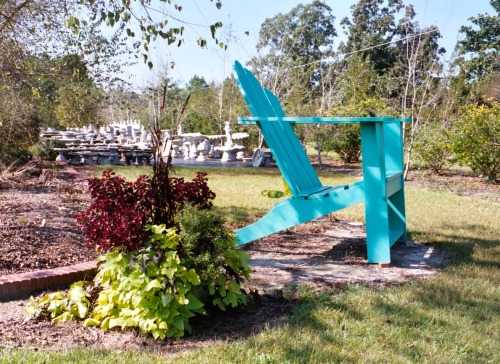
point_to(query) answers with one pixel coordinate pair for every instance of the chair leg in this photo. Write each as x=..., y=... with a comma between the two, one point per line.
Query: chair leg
x=376, y=206
x=397, y=216
x=377, y=232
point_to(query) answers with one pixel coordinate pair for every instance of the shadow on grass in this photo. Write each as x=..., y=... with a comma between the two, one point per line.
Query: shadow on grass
x=466, y=249
x=445, y=313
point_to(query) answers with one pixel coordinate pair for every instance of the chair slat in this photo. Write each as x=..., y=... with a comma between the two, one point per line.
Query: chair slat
x=279, y=136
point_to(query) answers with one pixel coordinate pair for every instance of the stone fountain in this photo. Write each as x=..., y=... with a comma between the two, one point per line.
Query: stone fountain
x=191, y=141
x=229, y=149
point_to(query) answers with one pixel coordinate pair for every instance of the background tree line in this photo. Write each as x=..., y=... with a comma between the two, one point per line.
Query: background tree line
x=388, y=65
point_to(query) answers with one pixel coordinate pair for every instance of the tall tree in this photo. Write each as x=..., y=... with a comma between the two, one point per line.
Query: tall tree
x=370, y=31
x=291, y=48
x=479, y=50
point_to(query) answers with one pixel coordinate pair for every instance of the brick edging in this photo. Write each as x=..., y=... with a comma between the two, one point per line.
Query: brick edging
x=24, y=284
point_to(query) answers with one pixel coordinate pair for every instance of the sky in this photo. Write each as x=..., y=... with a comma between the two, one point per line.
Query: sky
x=242, y=16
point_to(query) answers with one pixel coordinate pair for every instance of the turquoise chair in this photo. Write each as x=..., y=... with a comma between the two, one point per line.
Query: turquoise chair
x=382, y=187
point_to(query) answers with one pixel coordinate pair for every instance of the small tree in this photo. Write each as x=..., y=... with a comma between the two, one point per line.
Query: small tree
x=477, y=139
x=346, y=138
x=433, y=148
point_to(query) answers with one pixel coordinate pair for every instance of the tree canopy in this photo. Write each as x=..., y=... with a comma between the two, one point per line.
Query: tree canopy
x=480, y=47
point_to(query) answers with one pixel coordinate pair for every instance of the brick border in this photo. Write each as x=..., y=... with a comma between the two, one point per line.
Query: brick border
x=24, y=284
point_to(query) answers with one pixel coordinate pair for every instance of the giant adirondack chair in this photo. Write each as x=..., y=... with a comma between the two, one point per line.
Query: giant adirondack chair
x=382, y=188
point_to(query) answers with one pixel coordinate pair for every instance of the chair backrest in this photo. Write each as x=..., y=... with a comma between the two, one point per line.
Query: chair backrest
x=279, y=136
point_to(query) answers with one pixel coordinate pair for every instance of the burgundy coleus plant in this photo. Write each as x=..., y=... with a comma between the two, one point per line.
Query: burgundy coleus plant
x=120, y=210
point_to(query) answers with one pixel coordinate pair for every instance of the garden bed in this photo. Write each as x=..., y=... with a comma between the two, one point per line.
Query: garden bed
x=38, y=231
x=38, y=228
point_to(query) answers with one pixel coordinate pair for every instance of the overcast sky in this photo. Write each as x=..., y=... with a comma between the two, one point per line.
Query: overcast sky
x=241, y=16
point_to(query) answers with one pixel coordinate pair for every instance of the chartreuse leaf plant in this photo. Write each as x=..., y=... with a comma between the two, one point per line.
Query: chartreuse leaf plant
x=150, y=290
x=174, y=273
x=62, y=306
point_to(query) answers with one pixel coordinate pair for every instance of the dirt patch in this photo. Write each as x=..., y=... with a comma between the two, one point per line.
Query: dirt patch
x=262, y=311
x=461, y=184
x=329, y=252
x=38, y=228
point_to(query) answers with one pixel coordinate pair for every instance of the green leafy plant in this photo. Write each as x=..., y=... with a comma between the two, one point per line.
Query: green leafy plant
x=345, y=139
x=476, y=139
x=45, y=148
x=63, y=306
x=276, y=193
x=154, y=289
x=150, y=290
x=151, y=273
x=208, y=248
x=433, y=149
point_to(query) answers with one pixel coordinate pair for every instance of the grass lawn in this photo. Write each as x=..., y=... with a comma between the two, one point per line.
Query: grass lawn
x=450, y=318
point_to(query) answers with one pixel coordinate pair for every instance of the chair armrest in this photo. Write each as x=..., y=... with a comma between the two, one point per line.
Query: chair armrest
x=249, y=120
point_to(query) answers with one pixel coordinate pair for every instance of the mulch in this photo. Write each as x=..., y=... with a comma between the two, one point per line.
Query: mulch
x=38, y=228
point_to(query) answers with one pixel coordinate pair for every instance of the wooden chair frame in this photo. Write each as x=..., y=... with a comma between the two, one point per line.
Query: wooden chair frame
x=382, y=187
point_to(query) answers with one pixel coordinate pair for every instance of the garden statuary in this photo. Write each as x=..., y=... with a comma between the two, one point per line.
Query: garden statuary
x=229, y=149
x=60, y=157
x=193, y=139
x=203, y=149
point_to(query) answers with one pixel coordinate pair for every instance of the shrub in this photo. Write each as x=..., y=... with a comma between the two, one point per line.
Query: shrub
x=118, y=213
x=433, y=148
x=209, y=249
x=63, y=306
x=150, y=289
x=345, y=139
x=45, y=148
x=346, y=142
x=120, y=209
x=476, y=139
x=195, y=192
x=153, y=289
x=151, y=273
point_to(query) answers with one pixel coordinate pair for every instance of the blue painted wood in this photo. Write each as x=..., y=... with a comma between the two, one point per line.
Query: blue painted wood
x=252, y=120
x=280, y=137
x=382, y=188
x=291, y=212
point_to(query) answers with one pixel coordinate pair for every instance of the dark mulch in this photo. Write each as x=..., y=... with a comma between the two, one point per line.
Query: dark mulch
x=38, y=228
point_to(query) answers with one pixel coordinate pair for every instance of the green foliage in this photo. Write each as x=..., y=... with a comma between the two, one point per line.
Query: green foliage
x=296, y=42
x=19, y=125
x=123, y=13
x=480, y=47
x=476, y=139
x=276, y=193
x=209, y=249
x=155, y=289
x=373, y=24
x=45, y=148
x=150, y=290
x=65, y=96
x=345, y=139
x=433, y=148
x=63, y=306
x=78, y=104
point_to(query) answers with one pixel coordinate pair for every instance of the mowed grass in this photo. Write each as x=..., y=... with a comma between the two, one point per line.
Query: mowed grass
x=450, y=318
